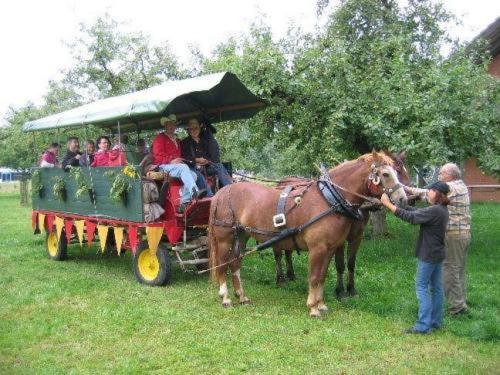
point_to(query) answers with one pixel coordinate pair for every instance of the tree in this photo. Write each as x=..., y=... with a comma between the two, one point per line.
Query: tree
x=107, y=62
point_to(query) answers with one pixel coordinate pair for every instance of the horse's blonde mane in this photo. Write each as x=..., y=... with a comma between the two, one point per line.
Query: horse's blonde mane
x=367, y=158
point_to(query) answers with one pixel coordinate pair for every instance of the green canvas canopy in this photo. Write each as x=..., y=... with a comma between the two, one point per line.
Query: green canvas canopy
x=219, y=97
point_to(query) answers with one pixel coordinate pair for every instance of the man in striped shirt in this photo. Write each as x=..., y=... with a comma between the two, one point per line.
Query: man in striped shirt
x=458, y=237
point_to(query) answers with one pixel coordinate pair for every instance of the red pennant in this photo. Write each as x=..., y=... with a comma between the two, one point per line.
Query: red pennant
x=34, y=222
x=68, y=227
x=50, y=223
x=34, y=219
x=90, y=232
x=132, y=238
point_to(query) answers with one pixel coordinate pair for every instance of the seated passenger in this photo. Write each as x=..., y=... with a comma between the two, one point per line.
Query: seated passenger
x=118, y=154
x=167, y=155
x=140, y=151
x=201, y=148
x=72, y=157
x=134, y=154
x=88, y=156
x=49, y=157
x=101, y=157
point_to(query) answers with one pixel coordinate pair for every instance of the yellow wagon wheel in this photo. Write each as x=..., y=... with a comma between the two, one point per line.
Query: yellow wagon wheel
x=150, y=268
x=56, y=249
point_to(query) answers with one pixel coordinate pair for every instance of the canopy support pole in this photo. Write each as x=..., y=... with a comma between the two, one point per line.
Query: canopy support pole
x=120, y=145
x=92, y=192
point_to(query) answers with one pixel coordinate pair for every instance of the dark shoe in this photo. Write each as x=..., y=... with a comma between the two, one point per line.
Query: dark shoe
x=459, y=312
x=412, y=330
x=435, y=327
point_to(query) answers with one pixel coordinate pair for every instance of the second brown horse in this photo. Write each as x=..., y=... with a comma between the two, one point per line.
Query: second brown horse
x=353, y=239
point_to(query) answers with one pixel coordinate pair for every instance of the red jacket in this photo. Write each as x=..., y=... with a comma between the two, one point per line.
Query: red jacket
x=165, y=149
x=101, y=159
x=109, y=159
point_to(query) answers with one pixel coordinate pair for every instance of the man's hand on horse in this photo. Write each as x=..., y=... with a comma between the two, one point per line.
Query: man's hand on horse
x=387, y=202
x=385, y=199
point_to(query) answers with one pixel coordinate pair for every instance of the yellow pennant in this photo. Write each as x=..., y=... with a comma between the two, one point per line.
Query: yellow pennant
x=79, y=225
x=153, y=235
x=118, y=239
x=41, y=222
x=102, y=230
x=59, y=222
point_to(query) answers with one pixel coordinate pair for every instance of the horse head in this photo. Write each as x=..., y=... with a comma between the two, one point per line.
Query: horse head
x=387, y=175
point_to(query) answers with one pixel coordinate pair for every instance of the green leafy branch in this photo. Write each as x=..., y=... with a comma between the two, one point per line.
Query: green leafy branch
x=121, y=183
x=36, y=182
x=59, y=188
x=81, y=180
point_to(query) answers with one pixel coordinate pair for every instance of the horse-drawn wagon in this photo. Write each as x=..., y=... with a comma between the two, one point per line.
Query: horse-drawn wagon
x=83, y=205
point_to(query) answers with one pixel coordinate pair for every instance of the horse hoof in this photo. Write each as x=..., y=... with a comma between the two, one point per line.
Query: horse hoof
x=291, y=277
x=280, y=280
x=340, y=295
x=315, y=313
x=245, y=301
x=352, y=293
x=323, y=307
x=227, y=304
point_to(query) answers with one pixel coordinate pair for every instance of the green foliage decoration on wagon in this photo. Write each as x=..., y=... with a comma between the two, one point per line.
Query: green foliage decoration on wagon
x=81, y=180
x=59, y=188
x=36, y=183
x=122, y=183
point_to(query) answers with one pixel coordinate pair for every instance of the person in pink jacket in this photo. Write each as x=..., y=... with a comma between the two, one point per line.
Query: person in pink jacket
x=102, y=156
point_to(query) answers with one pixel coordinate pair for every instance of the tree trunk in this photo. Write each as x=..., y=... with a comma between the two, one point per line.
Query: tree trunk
x=23, y=189
x=379, y=223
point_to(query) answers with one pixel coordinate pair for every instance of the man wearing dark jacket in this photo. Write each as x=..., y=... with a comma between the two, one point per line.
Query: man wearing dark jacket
x=72, y=157
x=201, y=150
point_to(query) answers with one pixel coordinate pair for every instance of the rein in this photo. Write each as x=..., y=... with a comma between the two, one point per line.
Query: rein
x=280, y=236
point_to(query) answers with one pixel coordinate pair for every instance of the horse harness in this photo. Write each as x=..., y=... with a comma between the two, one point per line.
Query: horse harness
x=338, y=205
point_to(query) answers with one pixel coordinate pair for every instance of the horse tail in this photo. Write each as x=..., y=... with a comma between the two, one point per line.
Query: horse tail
x=212, y=240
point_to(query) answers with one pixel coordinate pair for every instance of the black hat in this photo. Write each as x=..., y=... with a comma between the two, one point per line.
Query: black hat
x=440, y=186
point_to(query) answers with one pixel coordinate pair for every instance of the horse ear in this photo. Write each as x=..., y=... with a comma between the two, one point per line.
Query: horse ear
x=375, y=155
x=386, y=152
x=402, y=154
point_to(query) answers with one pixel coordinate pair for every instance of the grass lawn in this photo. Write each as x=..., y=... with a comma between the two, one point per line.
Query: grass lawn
x=89, y=315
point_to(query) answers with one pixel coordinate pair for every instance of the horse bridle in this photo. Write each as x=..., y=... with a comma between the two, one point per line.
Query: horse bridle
x=374, y=183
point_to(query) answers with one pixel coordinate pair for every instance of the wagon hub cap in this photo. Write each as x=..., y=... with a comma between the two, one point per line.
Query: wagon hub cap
x=148, y=265
x=52, y=244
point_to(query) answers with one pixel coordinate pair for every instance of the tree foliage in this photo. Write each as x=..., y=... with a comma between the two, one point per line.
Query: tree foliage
x=373, y=75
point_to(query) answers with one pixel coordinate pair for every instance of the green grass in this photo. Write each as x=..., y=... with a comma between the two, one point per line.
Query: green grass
x=88, y=314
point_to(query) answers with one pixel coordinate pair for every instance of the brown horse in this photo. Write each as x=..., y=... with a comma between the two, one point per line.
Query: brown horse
x=244, y=210
x=353, y=239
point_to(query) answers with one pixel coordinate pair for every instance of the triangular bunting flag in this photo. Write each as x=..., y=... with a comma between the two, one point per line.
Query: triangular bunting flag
x=34, y=222
x=132, y=238
x=102, y=230
x=118, y=239
x=79, y=225
x=34, y=217
x=90, y=232
x=68, y=227
x=50, y=223
x=153, y=235
x=41, y=222
x=59, y=226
